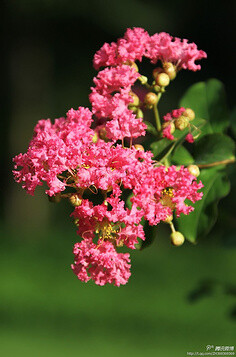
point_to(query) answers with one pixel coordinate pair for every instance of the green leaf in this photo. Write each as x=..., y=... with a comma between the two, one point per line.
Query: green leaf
x=161, y=147
x=233, y=121
x=199, y=222
x=208, y=100
x=182, y=156
x=150, y=128
x=213, y=148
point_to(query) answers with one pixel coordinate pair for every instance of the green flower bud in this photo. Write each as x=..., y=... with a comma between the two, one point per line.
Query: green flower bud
x=189, y=113
x=135, y=102
x=143, y=79
x=139, y=147
x=95, y=138
x=162, y=80
x=151, y=98
x=156, y=71
x=75, y=200
x=169, y=69
x=181, y=123
x=177, y=238
x=171, y=124
x=194, y=170
x=139, y=113
x=133, y=108
x=157, y=88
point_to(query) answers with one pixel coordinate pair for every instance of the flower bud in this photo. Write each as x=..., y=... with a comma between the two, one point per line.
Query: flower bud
x=151, y=98
x=194, y=170
x=143, y=79
x=189, y=113
x=162, y=80
x=157, y=88
x=181, y=123
x=75, y=200
x=156, y=71
x=171, y=124
x=169, y=69
x=139, y=113
x=139, y=147
x=95, y=138
x=135, y=98
x=132, y=107
x=177, y=238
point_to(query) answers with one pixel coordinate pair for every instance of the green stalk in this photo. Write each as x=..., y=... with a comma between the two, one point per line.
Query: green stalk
x=156, y=113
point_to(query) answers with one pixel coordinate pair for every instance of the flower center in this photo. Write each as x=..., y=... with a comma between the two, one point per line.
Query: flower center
x=166, y=197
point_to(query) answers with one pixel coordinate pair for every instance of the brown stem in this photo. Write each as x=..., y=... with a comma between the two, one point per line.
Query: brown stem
x=223, y=162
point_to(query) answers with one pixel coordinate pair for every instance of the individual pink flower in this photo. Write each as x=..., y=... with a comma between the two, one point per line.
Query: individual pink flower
x=182, y=54
x=106, y=56
x=166, y=133
x=125, y=124
x=189, y=138
x=114, y=79
x=133, y=46
x=176, y=113
x=130, y=48
x=100, y=263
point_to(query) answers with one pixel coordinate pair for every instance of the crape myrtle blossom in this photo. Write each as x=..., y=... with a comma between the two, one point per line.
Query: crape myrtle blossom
x=80, y=157
x=137, y=43
x=100, y=263
x=164, y=191
x=166, y=133
x=182, y=54
x=119, y=225
x=175, y=113
x=131, y=47
x=110, y=99
x=54, y=149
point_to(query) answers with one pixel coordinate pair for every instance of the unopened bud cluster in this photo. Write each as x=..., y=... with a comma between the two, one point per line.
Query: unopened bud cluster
x=163, y=75
x=178, y=119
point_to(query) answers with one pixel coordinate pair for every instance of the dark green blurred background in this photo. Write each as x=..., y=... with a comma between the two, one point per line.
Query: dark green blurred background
x=177, y=300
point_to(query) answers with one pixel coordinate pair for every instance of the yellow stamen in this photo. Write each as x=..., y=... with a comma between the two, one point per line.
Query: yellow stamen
x=166, y=195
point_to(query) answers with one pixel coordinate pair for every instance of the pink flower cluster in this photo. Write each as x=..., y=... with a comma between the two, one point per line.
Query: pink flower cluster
x=55, y=148
x=100, y=263
x=94, y=172
x=64, y=155
x=137, y=43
